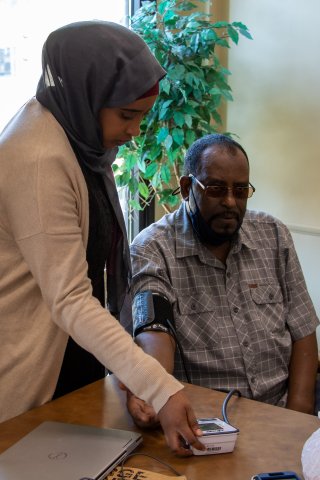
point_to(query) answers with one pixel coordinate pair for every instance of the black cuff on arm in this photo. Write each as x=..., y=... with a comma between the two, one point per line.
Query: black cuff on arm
x=151, y=312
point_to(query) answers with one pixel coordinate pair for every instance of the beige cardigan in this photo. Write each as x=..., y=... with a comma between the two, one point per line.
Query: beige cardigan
x=45, y=294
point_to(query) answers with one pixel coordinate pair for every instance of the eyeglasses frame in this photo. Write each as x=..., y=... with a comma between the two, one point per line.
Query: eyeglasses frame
x=204, y=188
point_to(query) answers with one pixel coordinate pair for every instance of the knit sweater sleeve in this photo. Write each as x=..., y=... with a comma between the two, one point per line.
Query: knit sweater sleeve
x=47, y=211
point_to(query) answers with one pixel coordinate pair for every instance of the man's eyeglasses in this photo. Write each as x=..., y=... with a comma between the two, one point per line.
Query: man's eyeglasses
x=218, y=191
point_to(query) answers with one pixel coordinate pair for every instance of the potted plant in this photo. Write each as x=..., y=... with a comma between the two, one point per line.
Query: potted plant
x=184, y=41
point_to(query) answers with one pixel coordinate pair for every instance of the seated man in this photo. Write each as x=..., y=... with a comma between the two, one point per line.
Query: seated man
x=219, y=297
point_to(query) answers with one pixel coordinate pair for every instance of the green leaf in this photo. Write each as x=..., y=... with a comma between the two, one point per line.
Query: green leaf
x=225, y=71
x=186, y=6
x=217, y=117
x=166, y=103
x=189, y=78
x=162, y=114
x=245, y=33
x=123, y=180
x=150, y=170
x=156, y=180
x=141, y=165
x=162, y=135
x=164, y=109
x=190, y=137
x=222, y=42
x=243, y=29
x=188, y=108
x=194, y=42
x=170, y=17
x=135, y=205
x=168, y=142
x=188, y=120
x=239, y=25
x=179, y=119
x=133, y=183
x=197, y=95
x=165, y=173
x=143, y=190
x=210, y=35
x=233, y=34
x=173, y=155
x=161, y=7
x=176, y=73
x=215, y=91
x=227, y=95
x=220, y=24
x=151, y=152
x=165, y=86
x=178, y=135
x=166, y=197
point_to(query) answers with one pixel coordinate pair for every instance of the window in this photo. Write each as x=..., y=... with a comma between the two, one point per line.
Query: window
x=24, y=26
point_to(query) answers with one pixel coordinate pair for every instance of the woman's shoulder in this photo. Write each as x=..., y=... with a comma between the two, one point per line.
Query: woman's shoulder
x=29, y=124
x=34, y=136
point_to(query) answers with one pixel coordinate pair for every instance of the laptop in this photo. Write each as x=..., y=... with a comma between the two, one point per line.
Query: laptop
x=65, y=451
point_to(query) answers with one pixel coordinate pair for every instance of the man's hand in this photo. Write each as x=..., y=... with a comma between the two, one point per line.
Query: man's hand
x=143, y=414
x=180, y=425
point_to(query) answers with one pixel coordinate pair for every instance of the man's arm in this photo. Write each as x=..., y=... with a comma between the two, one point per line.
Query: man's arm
x=302, y=374
x=162, y=347
x=152, y=251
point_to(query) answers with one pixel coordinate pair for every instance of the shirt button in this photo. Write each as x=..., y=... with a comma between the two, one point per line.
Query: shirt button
x=271, y=296
x=246, y=343
x=253, y=379
x=228, y=274
x=235, y=309
x=193, y=306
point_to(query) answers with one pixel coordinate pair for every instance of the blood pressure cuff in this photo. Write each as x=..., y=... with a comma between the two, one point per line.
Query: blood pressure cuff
x=151, y=312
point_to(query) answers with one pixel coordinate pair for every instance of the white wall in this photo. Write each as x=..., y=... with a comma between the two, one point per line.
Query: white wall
x=276, y=114
x=307, y=244
x=276, y=109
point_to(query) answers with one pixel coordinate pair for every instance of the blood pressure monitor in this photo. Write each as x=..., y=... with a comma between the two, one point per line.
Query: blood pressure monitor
x=217, y=436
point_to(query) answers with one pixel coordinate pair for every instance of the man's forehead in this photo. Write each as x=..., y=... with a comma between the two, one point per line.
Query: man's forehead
x=220, y=156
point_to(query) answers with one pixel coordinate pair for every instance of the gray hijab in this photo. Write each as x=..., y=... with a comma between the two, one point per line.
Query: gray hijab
x=88, y=66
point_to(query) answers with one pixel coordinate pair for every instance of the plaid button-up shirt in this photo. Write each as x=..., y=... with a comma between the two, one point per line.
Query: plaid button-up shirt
x=235, y=322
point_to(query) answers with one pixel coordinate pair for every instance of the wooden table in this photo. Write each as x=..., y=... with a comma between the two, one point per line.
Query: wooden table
x=270, y=439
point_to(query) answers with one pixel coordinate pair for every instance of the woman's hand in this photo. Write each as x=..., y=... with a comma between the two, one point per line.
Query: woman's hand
x=180, y=425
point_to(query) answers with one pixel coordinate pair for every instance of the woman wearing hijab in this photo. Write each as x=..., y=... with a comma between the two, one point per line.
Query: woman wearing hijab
x=61, y=226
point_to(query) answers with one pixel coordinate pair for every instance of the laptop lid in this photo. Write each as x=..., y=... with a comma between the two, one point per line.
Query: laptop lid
x=67, y=451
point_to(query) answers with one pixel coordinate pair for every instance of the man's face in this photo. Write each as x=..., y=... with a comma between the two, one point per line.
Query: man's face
x=219, y=166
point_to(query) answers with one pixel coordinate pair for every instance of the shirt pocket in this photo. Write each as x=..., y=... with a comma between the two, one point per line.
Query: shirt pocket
x=269, y=306
x=196, y=321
